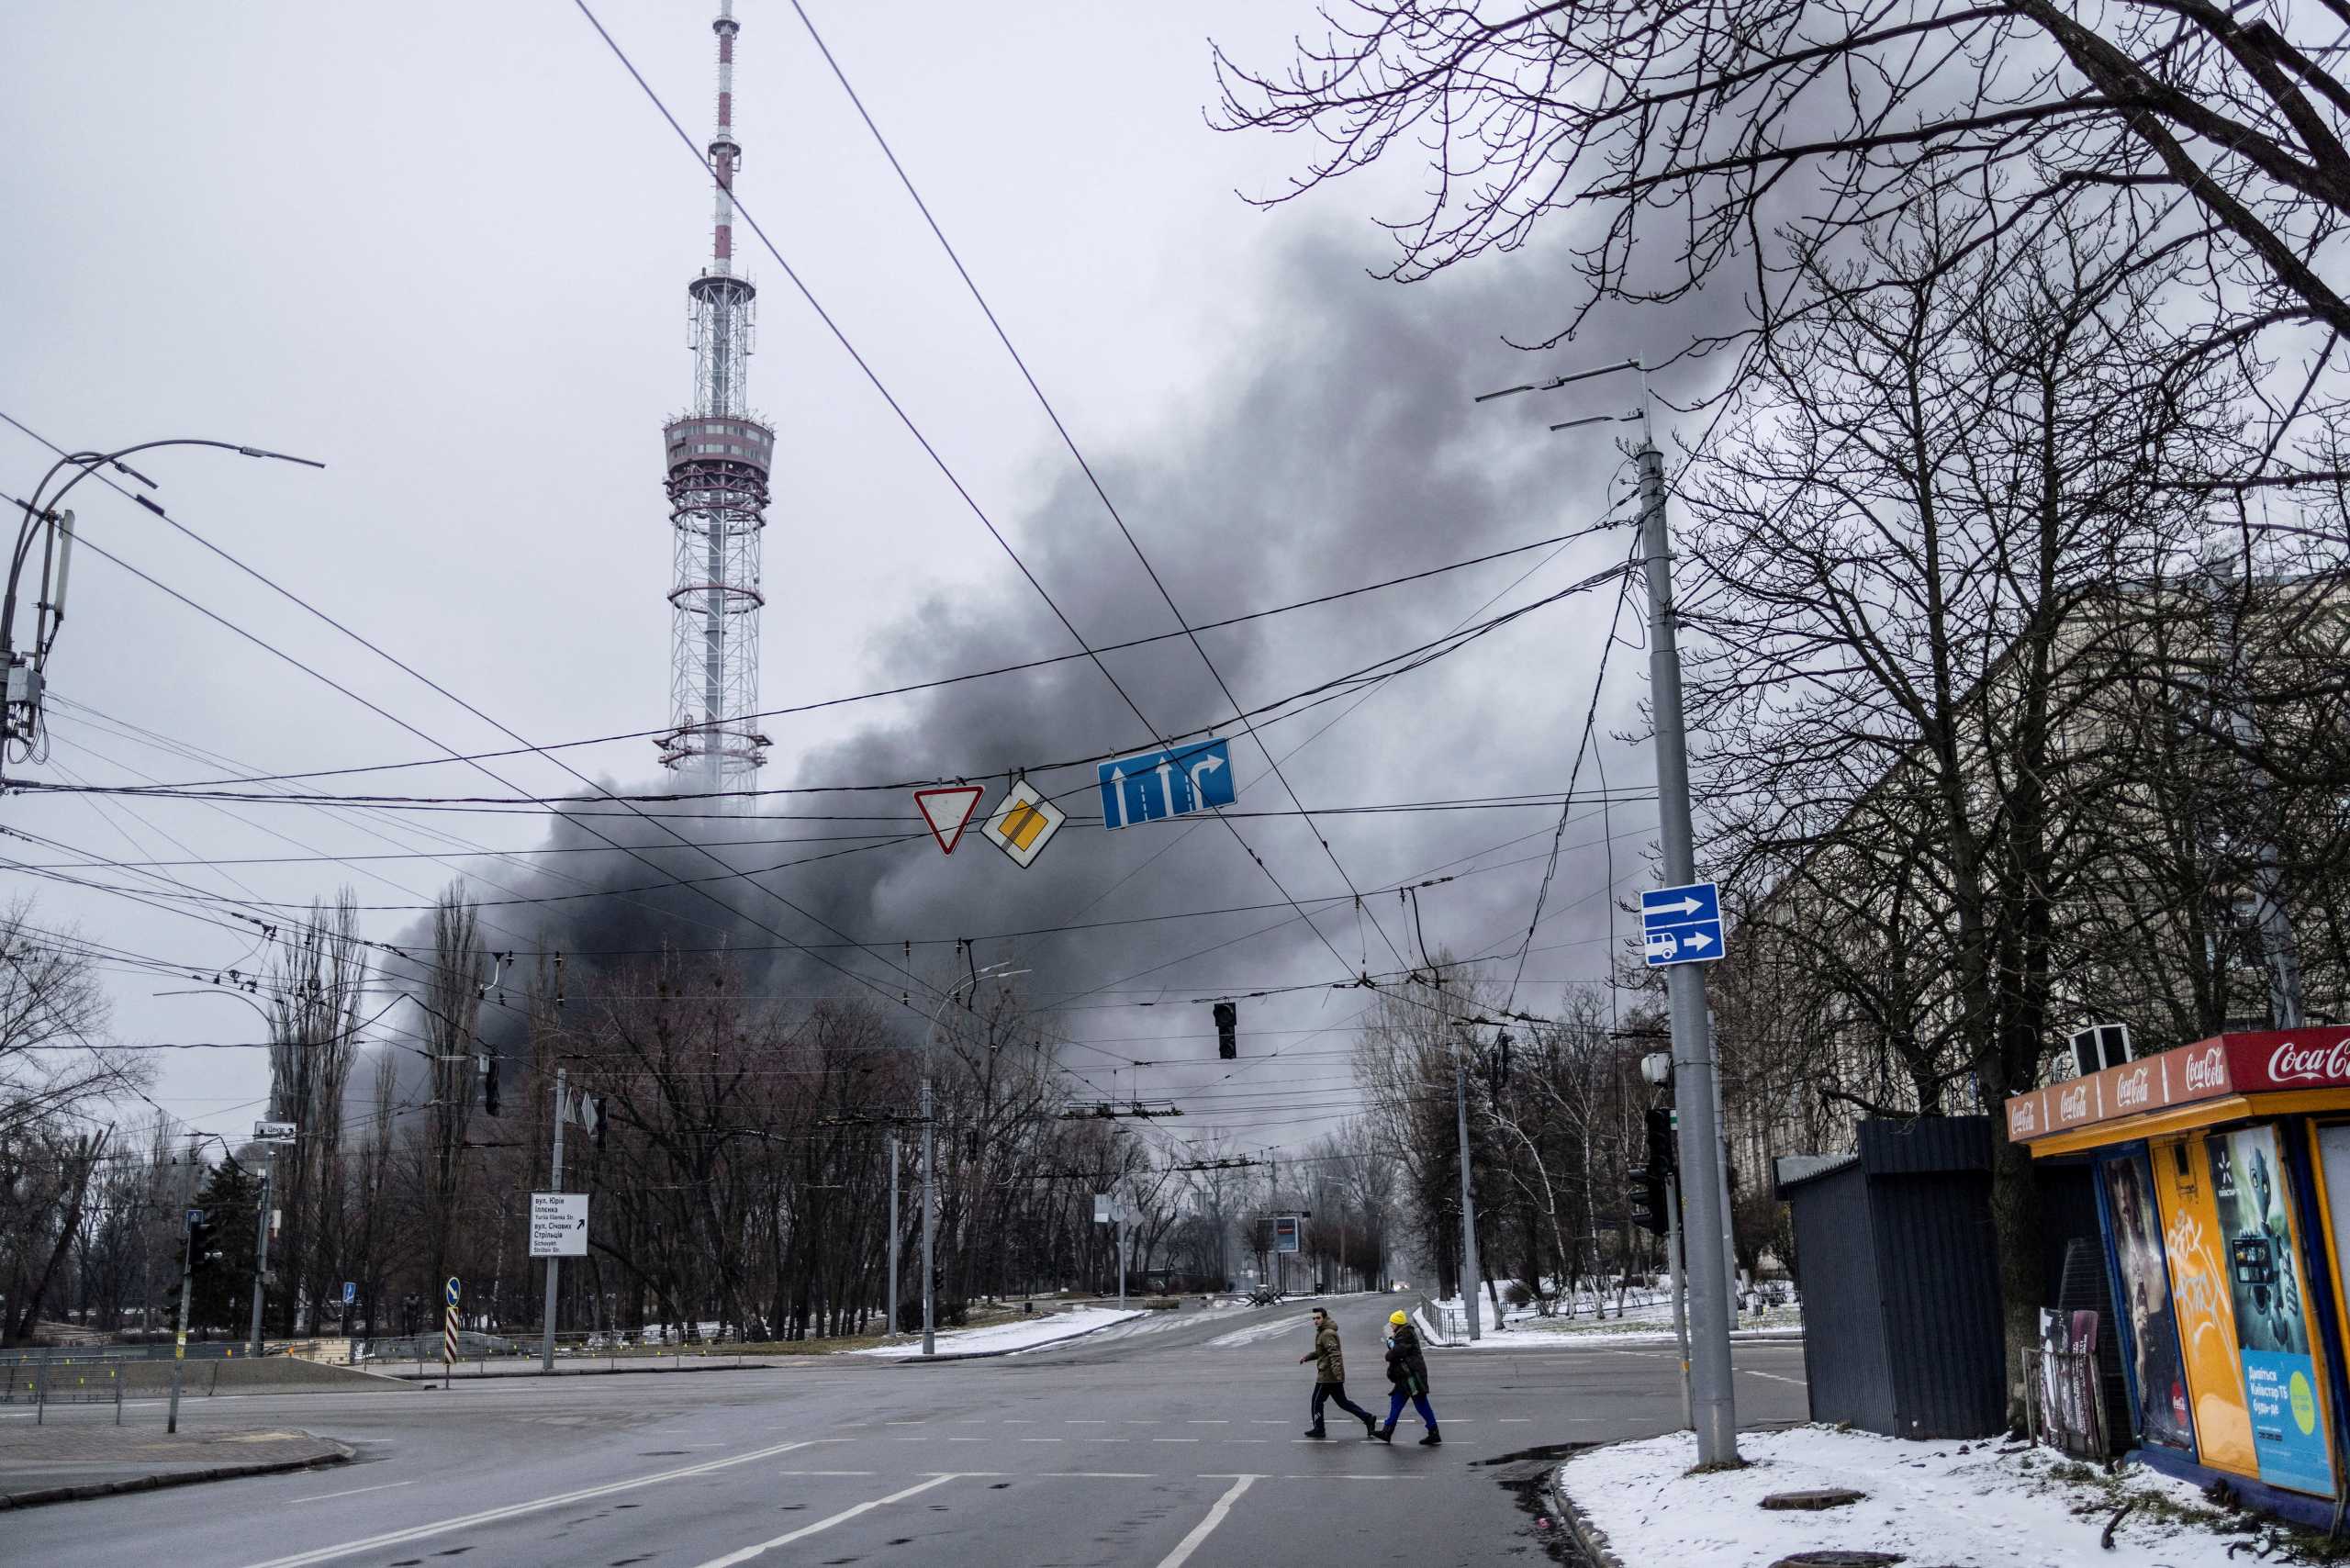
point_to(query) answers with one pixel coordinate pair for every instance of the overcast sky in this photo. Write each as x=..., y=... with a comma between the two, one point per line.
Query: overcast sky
x=442, y=248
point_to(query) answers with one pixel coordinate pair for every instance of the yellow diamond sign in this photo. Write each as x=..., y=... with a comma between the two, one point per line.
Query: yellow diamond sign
x=1024, y=821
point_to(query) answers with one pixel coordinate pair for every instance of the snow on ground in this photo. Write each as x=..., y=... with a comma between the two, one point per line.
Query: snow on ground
x=1649, y=1322
x=1933, y=1502
x=1020, y=1334
x=1157, y=1322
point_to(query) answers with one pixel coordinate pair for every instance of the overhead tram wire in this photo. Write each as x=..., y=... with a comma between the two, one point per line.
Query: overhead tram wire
x=1091, y=477
x=1556, y=540
x=1291, y=705
x=968, y=499
x=880, y=990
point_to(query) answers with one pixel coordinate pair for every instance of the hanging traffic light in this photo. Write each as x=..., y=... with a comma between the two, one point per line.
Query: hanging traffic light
x=1227, y=1021
x=1663, y=1156
x=489, y=1083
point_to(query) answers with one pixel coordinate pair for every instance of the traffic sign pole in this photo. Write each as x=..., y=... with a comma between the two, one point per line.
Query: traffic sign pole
x=179, y=1342
x=260, y=1239
x=546, y=1333
x=1712, y=1402
x=449, y=1336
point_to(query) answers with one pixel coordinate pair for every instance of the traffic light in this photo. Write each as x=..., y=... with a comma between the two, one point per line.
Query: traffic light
x=1501, y=1063
x=1663, y=1156
x=203, y=1246
x=1227, y=1020
x=1652, y=1201
x=489, y=1083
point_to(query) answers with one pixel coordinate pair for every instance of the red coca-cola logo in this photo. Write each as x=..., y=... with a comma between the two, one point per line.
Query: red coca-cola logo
x=2291, y=1063
x=2207, y=1070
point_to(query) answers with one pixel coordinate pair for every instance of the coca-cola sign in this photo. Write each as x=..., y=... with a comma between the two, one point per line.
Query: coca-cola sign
x=2207, y=1068
x=2301, y=1062
x=2134, y=1090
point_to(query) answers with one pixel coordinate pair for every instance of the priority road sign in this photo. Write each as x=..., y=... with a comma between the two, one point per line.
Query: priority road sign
x=559, y=1224
x=1195, y=777
x=947, y=809
x=1024, y=823
x=1681, y=926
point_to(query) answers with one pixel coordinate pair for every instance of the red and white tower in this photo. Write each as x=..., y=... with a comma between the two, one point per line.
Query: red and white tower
x=719, y=459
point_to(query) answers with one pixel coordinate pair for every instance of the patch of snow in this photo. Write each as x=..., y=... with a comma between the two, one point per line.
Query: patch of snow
x=1021, y=1334
x=1933, y=1502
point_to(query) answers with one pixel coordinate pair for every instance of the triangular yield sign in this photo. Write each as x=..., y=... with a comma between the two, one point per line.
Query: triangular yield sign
x=947, y=809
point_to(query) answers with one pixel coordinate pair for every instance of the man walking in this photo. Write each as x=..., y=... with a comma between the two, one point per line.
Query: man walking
x=1407, y=1378
x=1331, y=1378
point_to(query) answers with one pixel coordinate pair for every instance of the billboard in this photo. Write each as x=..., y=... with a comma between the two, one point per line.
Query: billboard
x=1285, y=1233
x=2149, y=1328
x=2271, y=1300
x=2201, y=1308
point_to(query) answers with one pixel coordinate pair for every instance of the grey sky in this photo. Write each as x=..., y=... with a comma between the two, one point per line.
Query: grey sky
x=443, y=247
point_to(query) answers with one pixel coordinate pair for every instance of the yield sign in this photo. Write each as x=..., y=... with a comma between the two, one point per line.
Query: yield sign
x=947, y=809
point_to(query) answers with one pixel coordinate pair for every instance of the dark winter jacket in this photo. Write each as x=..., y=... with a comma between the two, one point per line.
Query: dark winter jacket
x=1407, y=1367
x=1329, y=1362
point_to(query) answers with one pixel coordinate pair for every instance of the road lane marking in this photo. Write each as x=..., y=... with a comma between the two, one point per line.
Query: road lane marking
x=515, y=1510
x=1196, y=1422
x=297, y=1502
x=1098, y=1475
x=1353, y=1478
x=1174, y=1440
x=1516, y=1420
x=1044, y=1439
x=1084, y=1421
x=1206, y=1526
x=1774, y=1377
x=746, y=1553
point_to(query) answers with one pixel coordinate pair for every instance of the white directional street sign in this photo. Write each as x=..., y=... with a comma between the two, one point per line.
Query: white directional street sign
x=273, y=1132
x=1024, y=823
x=1681, y=926
x=559, y=1224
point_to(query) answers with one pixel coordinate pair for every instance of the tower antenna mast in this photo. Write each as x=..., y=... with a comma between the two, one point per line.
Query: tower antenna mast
x=719, y=459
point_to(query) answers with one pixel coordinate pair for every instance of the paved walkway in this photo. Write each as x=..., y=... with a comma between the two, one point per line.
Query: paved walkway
x=61, y=1462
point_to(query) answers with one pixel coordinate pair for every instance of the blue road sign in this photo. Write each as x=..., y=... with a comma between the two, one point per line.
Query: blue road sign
x=1195, y=777
x=1681, y=926
x=449, y=1293
x=350, y=1292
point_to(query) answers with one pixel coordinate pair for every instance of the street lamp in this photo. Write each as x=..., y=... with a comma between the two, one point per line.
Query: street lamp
x=929, y=1155
x=268, y=1176
x=20, y=714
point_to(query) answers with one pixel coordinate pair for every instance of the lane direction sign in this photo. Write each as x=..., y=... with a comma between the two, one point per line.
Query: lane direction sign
x=1681, y=926
x=559, y=1224
x=947, y=809
x=1178, y=783
x=1024, y=823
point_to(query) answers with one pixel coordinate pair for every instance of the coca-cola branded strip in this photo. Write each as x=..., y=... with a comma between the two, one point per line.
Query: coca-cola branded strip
x=2266, y=1062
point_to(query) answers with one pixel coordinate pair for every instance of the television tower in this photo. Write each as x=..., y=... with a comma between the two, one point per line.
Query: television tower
x=719, y=459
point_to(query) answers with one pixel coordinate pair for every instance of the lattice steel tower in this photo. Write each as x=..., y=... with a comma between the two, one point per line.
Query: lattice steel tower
x=719, y=459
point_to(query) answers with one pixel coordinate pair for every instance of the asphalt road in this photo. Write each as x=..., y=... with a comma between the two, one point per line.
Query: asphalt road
x=1165, y=1444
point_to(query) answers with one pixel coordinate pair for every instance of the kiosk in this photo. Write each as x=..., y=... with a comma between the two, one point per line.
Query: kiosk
x=2222, y=1176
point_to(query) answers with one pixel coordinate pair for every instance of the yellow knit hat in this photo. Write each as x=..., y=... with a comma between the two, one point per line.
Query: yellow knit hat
x=1397, y=1318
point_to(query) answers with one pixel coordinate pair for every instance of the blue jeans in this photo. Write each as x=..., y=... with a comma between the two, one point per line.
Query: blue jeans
x=1419, y=1401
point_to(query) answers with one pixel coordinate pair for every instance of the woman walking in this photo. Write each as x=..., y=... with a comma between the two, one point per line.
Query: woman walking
x=1407, y=1378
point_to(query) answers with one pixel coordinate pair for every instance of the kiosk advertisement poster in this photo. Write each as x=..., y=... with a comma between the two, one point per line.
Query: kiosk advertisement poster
x=2199, y=1297
x=2271, y=1310
x=2149, y=1328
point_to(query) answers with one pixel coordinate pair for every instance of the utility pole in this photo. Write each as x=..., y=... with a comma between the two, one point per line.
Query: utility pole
x=1713, y=1402
x=929, y=1214
x=1121, y=1201
x=187, y=1288
x=1680, y=1283
x=1469, y=1281
x=891, y=1327
x=261, y=1240
x=555, y=1184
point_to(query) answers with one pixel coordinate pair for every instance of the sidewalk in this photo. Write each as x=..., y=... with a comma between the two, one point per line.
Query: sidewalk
x=59, y=1464
x=1987, y=1504
x=584, y=1365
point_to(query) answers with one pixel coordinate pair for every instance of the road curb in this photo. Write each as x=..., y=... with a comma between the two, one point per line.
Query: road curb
x=89, y=1489
x=920, y=1360
x=430, y=1378
x=1590, y=1540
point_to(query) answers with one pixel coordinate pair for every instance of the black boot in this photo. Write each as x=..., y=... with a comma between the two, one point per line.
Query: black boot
x=1370, y=1427
x=1433, y=1439
x=1315, y=1432
x=1385, y=1434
